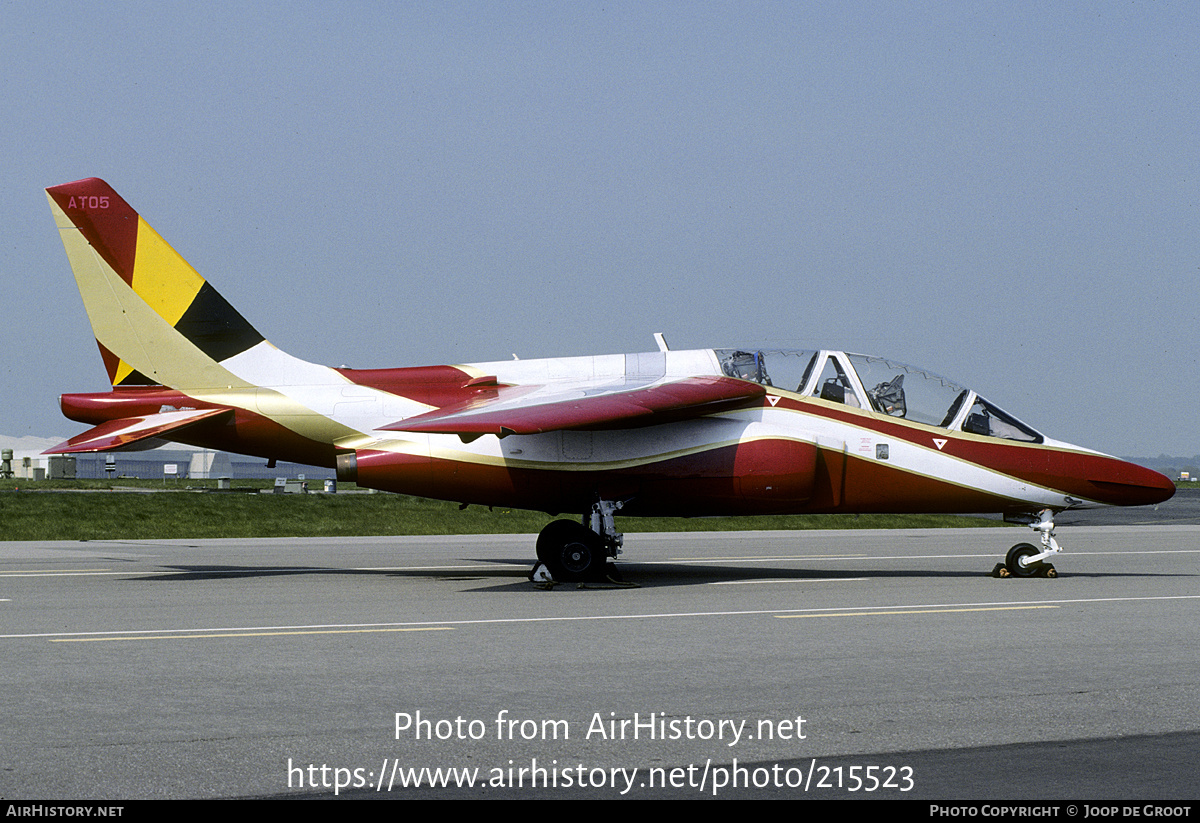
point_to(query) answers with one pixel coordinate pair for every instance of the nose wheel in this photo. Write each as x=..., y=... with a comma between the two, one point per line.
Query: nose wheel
x=1019, y=562
x=1026, y=559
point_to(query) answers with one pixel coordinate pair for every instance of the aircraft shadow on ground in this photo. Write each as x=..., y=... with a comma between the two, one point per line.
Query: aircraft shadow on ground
x=514, y=577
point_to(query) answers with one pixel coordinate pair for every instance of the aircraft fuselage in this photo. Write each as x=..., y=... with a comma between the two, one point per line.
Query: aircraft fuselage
x=785, y=452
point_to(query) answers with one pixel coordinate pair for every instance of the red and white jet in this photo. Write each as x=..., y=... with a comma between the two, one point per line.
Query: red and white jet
x=729, y=431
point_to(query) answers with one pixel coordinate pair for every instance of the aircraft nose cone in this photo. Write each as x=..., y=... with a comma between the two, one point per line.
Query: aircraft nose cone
x=1128, y=484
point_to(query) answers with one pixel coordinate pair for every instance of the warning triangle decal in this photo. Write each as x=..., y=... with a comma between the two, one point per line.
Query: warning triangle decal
x=939, y=442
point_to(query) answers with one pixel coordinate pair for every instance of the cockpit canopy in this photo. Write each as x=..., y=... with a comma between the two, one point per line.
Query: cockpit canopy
x=878, y=384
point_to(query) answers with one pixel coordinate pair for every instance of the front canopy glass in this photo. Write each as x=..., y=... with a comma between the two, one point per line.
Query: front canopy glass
x=881, y=385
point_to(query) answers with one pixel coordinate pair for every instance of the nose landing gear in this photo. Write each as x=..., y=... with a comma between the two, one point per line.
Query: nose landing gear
x=1025, y=559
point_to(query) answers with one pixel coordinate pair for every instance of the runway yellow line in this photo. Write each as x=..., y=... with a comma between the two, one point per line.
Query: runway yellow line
x=246, y=634
x=442, y=625
x=913, y=611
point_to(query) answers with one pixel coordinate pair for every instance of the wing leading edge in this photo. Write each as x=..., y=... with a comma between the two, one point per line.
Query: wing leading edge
x=628, y=404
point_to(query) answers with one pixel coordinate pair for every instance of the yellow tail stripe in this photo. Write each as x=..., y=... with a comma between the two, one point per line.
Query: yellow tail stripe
x=162, y=277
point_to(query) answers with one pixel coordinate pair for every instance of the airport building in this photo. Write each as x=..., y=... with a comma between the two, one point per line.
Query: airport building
x=152, y=464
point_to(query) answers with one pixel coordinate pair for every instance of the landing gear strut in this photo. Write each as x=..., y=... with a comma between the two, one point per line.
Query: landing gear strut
x=1027, y=560
x=574, y=551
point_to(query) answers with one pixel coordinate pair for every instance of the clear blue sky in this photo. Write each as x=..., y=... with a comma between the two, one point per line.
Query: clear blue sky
x=1005, y=193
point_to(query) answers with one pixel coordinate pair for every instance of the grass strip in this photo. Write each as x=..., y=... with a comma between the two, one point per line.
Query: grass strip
x=81, y=515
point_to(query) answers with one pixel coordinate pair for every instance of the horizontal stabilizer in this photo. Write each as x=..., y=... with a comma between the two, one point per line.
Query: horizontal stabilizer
x=617, y=406
x=125, y=433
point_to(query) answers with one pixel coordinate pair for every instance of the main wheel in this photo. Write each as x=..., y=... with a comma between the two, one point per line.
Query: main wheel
x=1015, y=560
x=553, y=537
x=571, y=551
x=579, y=560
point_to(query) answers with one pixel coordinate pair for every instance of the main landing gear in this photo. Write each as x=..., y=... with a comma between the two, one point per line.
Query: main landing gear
x=579, y=552
x=1026, y=559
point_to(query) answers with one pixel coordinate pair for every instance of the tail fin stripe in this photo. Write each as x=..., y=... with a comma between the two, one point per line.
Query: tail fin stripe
x=215, y=327
x=121, y=373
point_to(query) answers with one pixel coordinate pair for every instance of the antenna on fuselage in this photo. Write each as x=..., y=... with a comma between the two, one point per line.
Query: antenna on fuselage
x=661, y=341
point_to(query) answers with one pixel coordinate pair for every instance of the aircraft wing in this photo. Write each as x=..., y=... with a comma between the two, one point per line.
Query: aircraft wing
x=622, y=404
x=125, y=433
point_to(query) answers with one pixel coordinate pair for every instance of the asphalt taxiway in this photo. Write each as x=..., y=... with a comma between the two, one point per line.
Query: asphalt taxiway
x=848, y=664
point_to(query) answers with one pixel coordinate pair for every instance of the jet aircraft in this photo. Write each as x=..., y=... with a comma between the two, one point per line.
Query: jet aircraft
x=725, y=431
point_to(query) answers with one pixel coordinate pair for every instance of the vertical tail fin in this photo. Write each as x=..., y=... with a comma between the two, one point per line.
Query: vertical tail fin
x=156, y=320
